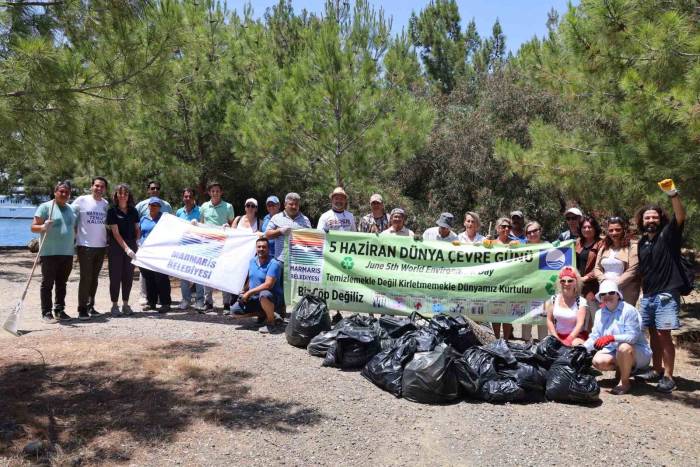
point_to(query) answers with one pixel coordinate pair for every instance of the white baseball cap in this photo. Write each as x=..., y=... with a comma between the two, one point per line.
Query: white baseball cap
x=574, y=211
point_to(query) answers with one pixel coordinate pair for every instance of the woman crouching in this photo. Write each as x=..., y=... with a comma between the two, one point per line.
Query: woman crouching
x=617, y=335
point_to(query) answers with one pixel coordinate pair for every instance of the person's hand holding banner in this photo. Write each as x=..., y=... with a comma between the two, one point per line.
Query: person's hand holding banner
x=130, y=253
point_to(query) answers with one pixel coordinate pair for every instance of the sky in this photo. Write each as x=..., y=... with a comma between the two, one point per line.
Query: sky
x=520, y=19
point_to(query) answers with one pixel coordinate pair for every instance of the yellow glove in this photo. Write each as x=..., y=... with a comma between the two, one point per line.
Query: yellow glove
x=668, y=187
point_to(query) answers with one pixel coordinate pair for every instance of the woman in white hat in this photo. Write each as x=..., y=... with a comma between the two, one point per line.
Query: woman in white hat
x=250, y=221
x=618, y=338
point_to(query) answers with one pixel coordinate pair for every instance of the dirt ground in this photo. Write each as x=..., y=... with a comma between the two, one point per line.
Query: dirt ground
x=188, y=389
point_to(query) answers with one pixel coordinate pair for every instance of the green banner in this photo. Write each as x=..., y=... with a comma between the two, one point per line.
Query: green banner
x=398, y=275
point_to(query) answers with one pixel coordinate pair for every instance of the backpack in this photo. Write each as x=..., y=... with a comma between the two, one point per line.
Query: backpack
x=688, y=273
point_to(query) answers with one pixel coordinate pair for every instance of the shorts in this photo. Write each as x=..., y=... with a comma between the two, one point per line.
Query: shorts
x=642, y=356
x=253, y=306
x=660, y=311
x=581, y=335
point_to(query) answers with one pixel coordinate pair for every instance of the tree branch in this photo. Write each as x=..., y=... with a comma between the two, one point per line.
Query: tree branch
x=25, y=4
x=82, y=89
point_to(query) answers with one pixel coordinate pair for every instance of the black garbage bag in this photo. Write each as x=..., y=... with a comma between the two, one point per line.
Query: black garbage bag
x=426, y=339
x=531, y=378
x=473, y=369
x=319, y=345
x=396, y=326
x=386, y=342
x=356, y=320
x=353, y=347
x=309, y=318
x=386, y=368
x=455, y=330
x=523, y=352
x=501, y=389
x=492, y=373
x=548, y=350
x=568, y=380
x=430, y=377
x=500, y=350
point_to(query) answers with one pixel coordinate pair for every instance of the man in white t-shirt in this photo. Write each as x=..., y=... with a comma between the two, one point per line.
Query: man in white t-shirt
x=337, y=218
x=443, y=232
x=91, y=243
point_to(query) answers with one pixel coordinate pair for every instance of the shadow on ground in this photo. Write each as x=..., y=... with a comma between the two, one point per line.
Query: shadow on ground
x=71, y=406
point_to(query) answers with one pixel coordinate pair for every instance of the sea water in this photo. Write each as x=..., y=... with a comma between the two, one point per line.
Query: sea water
x=15, y=232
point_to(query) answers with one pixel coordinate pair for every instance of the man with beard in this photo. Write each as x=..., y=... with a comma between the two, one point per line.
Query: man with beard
x=263, y=291
x=662, y=280
x=337, y=218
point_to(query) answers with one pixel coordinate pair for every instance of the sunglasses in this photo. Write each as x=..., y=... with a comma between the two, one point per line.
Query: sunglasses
x=566, y=281
x=532, y=232
x=571, y=218
x=154, y=188
x=609, y=294
x=250, y=206
x=504, y=227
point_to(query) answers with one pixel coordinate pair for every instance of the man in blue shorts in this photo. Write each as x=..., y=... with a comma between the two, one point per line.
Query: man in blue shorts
x=662, y=280
x=263, y=291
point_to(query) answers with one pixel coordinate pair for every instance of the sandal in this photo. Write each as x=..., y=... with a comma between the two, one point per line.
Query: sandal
x=620, y=390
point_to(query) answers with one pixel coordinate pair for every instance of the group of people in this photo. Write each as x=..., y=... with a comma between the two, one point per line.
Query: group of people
x=594, y=305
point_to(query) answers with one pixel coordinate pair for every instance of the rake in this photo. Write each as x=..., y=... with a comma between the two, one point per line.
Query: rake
x=12, y=321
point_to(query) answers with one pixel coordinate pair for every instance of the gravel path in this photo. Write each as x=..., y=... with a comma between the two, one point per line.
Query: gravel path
x=222, y=394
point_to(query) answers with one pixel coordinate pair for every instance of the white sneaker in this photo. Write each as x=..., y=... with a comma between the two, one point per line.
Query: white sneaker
x=198, y=306
x=184, y=304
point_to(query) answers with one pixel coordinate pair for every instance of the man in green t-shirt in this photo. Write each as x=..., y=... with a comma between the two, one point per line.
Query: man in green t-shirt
x=217, y=212
x=55, y=220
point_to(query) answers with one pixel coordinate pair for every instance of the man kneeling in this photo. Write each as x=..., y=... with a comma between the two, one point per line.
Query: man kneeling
x=617, y=335
x=263, y=290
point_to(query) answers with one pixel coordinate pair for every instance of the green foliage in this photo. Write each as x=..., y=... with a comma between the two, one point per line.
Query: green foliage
x=632, y=68
x=435, y=117
x=341, y=114
x=64, y=69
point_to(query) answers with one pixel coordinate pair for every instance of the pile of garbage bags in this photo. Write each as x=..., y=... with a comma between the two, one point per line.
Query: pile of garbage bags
x=445, y=358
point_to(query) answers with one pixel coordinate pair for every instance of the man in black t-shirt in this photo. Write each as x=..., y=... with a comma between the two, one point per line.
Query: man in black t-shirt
x=662, y=279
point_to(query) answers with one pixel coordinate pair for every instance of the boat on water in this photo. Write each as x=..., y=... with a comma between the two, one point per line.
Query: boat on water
x=13, y=207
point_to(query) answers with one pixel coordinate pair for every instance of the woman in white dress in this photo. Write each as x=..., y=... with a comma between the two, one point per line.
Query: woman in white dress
x=618, y=261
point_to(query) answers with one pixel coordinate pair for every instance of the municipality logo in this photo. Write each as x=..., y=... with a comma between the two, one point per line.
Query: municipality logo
x=555, y=258
x=347, y=263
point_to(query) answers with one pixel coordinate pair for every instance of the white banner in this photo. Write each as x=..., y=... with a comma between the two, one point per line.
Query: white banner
x=207, y=255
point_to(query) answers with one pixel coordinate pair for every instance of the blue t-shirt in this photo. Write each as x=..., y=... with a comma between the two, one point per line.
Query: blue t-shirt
x=265, y=221
x=147, y=226
x=257, y=274
x=193, y=215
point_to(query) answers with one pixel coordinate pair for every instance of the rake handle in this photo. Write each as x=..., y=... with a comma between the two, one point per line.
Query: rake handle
x=36, y=258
